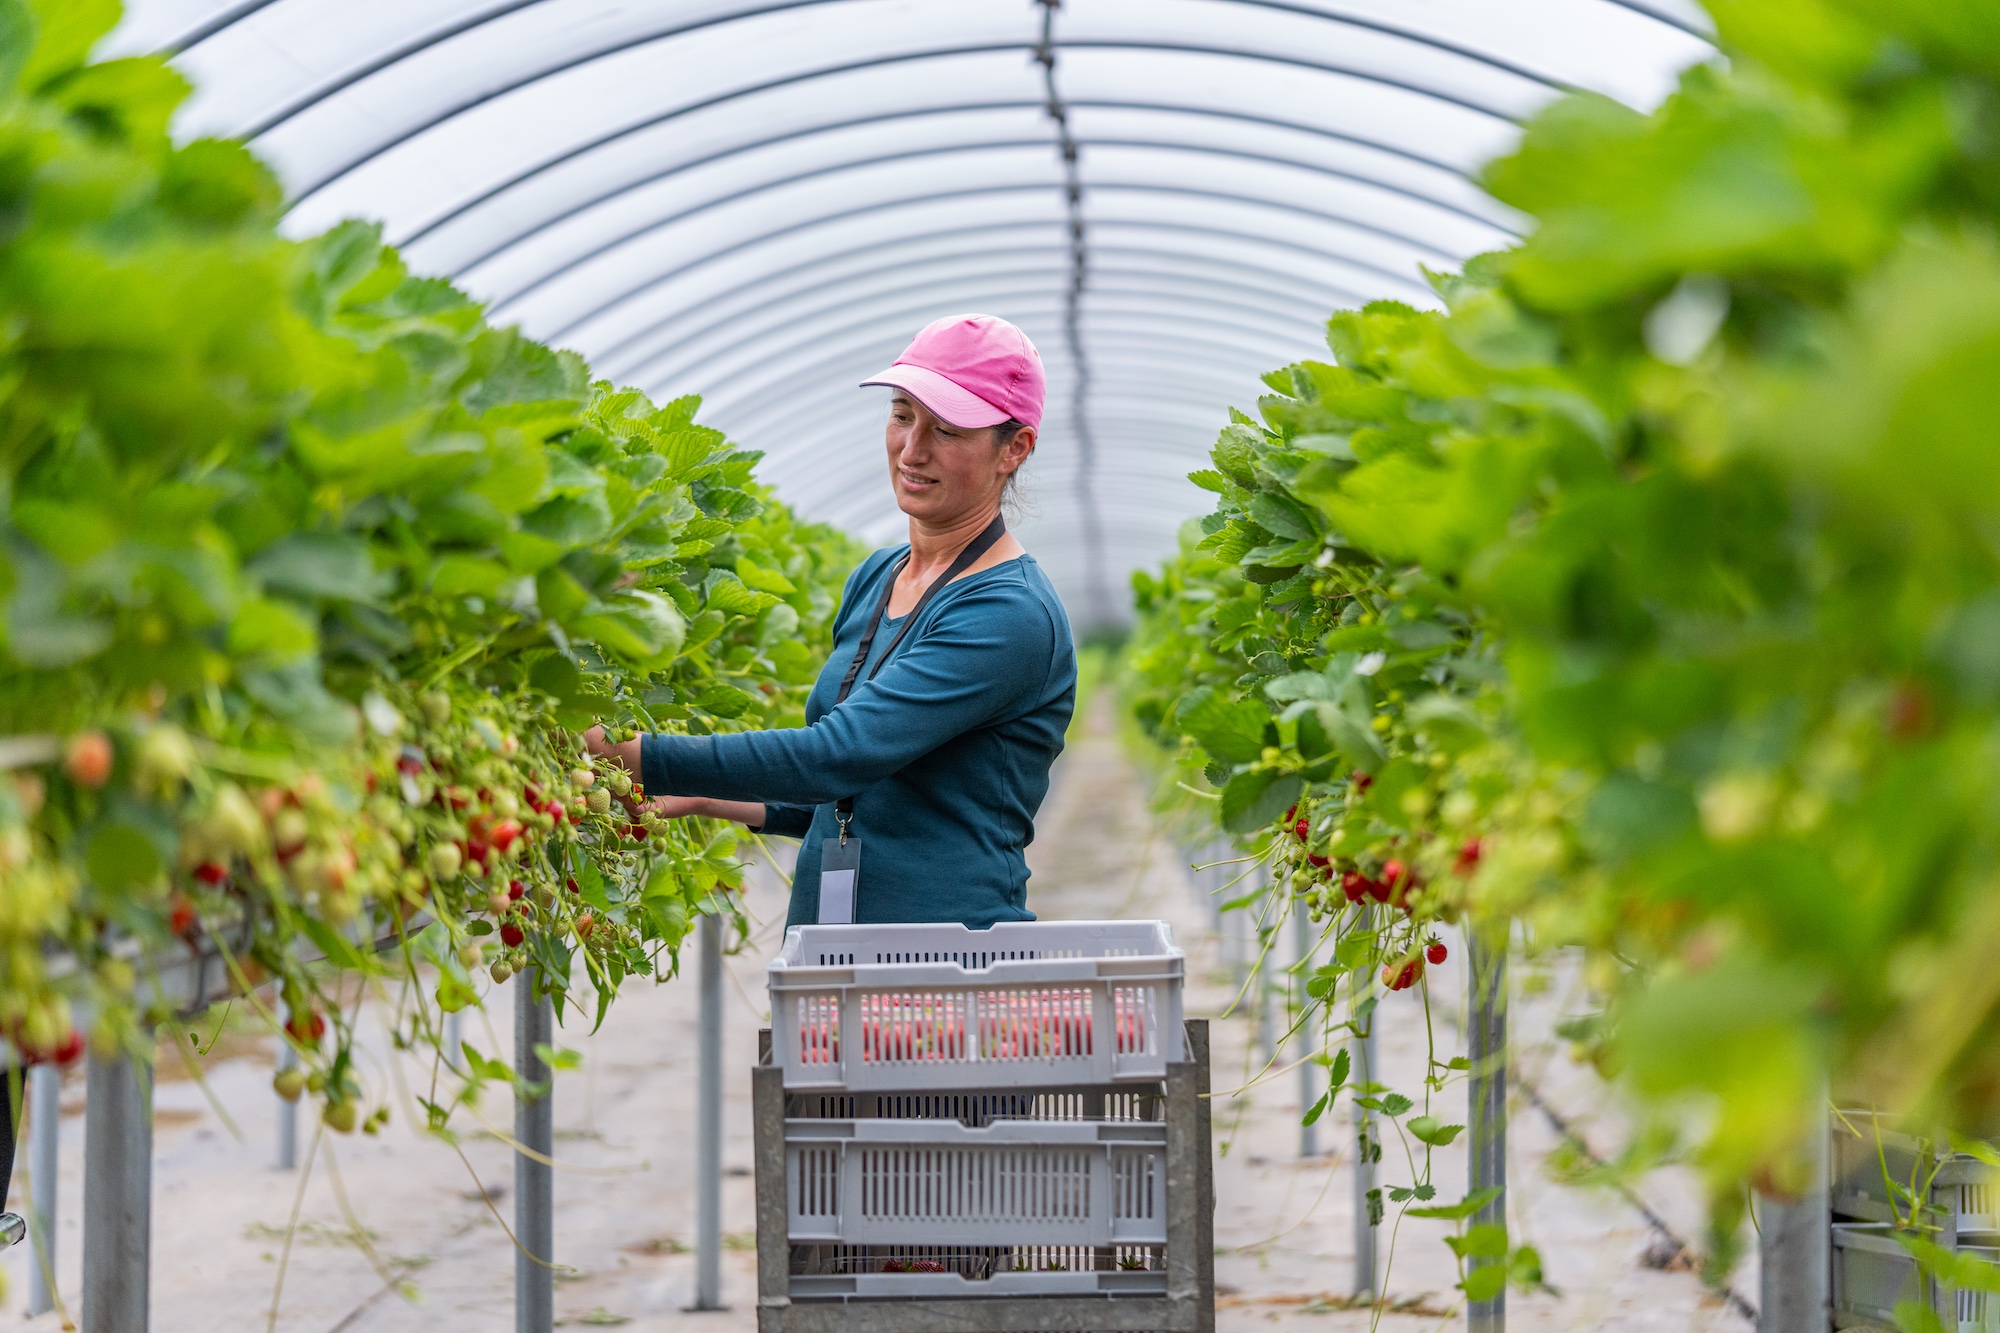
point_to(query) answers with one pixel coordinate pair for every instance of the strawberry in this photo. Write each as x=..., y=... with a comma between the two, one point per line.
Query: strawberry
x=1405, y=977
x=306, y=1028
x=570, y=884
x=504, y=834
x=511, y=936
x=584, y=925
x=515, y=890
x=1302, y=830
x=180, y=914
x=1378, y=890
x=447, y=859
x=1355, y=885
x=1468, y=857
x=87, y=760
x=211, y=873
x=1437, y=953
x=1316, y=861
x=1361, y=781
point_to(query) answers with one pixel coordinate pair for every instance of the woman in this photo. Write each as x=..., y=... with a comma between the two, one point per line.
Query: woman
x=931, y=730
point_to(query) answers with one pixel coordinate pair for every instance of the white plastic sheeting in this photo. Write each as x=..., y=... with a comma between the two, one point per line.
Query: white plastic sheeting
x=760, y=202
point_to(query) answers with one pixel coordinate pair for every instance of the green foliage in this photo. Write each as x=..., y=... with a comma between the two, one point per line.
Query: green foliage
x=1652, y=584
x=311, y=577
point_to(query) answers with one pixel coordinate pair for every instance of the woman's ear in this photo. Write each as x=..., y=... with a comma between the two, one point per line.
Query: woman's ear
x=1015, y=452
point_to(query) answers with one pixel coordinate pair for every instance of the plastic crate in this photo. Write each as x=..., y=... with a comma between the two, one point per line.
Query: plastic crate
x=1013, y=1182
x=1873, y=1274
x=937, y=1007
x=1964, y=1195
x=1053, y=1207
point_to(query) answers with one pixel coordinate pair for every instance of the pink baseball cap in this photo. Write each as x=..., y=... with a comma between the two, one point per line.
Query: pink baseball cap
x=971, y=371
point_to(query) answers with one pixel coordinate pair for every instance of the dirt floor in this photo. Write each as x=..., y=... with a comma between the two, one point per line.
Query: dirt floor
x=395, y=1234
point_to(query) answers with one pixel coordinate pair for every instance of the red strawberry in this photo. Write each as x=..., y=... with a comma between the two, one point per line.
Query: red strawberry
x=571, y=884
x=1361, y=781
x=180, y=914
x=511, y=936
x=534, y=795
x=515, y=889
x=1317, y=861
x=505, y=832
x=1302, y=830
x=88, y=759
x=306, y=1028
x=1378, y=890
x=1437, y=953
x=1468, y=856
x=1405, y=977
x=1392, y=873
x=211, y=873
x=1355, y=885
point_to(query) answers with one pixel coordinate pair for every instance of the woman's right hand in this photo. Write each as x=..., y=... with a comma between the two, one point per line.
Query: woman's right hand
x=675, y=807
x=750, y=814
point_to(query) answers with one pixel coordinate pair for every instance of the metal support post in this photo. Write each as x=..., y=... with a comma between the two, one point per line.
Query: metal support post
x=44, y=1135
x=1487, y=1094
x=117, y=1193
x=288, y=1111
x=1302, y=950
x=708, y=1124
x=1367, y=1147
x=1794, y=1245
x=534, y=1181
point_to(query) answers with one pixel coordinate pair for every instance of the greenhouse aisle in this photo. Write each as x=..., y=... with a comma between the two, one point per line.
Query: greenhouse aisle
x=414, y=1215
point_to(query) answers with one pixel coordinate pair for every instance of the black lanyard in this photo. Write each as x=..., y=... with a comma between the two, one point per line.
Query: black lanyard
x=979, y=546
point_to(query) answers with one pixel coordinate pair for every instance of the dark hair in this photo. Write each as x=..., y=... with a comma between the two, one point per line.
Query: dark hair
x=1010, y=499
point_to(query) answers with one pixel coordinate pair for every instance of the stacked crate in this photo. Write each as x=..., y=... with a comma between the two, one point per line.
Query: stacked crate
x=1002, y=1129
x=1953, y=1200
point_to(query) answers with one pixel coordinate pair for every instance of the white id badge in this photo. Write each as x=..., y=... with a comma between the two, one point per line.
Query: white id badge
x=839, y=868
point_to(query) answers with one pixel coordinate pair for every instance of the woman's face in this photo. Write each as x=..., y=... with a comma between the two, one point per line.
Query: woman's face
x=941, y=473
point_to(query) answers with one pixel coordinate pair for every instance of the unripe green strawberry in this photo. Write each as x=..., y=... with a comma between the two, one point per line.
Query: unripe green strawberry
x=163, y=759
x=341, y=1117
x=599, y=801
x=500, y=972
x=436, y=705
x=289, y=1084
x=446, y=860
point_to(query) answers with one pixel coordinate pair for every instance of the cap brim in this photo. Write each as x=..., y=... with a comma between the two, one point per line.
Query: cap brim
x=947, y=401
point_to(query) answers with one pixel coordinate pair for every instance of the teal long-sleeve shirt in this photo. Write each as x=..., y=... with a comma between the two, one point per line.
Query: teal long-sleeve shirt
x=946, y=751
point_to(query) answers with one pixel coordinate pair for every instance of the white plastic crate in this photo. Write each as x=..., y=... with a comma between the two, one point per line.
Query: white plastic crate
x=954, y=1286
x=936, y=1007
x=1872, y=1274
x=940, y=1182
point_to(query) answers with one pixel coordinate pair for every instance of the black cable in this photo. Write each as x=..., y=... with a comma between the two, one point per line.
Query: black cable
x=8, y=1124
x=1092, y=528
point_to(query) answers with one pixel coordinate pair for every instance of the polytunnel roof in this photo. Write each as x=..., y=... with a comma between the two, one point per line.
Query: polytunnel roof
x=761, y=202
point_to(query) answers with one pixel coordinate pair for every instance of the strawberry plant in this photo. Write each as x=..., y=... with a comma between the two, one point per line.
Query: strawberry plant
x=1644, y=595
x=312, y=579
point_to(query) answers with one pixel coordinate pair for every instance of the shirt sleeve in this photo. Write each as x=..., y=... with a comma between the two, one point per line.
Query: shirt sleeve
x=986, y=651
x=787, y=821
